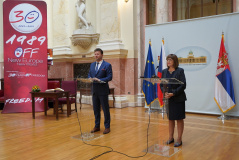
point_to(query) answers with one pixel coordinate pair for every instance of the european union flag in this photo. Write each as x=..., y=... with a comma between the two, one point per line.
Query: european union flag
x=149, y=89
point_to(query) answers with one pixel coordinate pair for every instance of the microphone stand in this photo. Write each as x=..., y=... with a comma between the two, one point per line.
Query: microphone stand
x=154, y=76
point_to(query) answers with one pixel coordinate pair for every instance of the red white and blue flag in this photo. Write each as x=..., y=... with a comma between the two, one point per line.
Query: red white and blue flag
x=162, y=65
x=224, y=92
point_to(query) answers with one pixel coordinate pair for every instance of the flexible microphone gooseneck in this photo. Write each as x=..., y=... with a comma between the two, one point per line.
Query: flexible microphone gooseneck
x=154, y=76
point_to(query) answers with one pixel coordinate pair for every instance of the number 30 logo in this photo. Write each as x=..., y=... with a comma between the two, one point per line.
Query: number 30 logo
x=25, y=18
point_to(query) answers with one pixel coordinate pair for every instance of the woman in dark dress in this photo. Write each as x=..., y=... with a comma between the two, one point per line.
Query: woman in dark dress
x=176, y=98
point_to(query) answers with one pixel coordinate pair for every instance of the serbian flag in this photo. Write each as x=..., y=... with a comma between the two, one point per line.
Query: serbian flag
x=162, y=65
x=149, y=89
x=224, y=92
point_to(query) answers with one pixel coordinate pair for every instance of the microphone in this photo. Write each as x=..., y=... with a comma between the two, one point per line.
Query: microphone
x=154, y=76
x=157, y=67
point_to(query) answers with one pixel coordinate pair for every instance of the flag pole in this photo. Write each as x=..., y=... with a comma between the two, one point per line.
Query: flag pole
x=224, y=117
x=165, y=101
x=149, y=109
x=223, y=36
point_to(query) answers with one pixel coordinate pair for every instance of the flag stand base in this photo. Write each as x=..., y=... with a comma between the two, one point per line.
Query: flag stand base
x=224, y=117
x=150, y=110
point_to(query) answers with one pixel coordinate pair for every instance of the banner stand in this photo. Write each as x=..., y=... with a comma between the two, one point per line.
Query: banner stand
x=25, y=54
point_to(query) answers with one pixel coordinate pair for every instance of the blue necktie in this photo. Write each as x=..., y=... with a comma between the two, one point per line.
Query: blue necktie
x=96, y=69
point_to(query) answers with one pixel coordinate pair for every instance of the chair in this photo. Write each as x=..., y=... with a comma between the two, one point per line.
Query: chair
x=1, y=96
x=56, y=79
x=52, y=85
x=72, y=87
x=2, y=101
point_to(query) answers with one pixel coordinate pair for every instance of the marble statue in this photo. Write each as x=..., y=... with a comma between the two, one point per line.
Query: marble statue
x=80, y=8
x=85, y=35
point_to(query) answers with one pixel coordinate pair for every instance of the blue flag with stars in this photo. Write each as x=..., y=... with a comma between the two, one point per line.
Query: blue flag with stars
x=149, y=89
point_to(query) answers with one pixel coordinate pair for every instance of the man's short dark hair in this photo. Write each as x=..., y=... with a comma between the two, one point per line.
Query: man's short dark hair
x=98, y=49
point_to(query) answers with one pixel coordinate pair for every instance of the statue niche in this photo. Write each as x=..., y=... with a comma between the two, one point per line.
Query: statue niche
x=85, y=35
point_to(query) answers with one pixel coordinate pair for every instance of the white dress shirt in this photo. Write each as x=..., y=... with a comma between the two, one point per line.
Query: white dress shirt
x=100, y=62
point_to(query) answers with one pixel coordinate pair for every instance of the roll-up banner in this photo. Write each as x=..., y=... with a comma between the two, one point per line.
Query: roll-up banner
x=25, y=53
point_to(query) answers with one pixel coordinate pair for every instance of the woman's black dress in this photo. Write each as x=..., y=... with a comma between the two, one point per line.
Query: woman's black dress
x=176, y=109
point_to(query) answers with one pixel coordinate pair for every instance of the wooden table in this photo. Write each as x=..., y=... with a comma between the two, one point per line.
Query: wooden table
x=47, y=95
x=87, y=92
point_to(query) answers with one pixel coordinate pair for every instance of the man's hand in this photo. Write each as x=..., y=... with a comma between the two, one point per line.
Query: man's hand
x=96, y=79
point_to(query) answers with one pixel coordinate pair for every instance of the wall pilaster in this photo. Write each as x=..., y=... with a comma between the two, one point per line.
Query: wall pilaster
x=61, y=24
x=162, y=11
x=237, y=6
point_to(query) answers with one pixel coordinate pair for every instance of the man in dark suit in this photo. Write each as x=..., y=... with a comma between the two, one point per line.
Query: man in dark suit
x=101, y=73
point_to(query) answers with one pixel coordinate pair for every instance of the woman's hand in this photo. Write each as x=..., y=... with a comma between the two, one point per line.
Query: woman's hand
x=168, y=95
